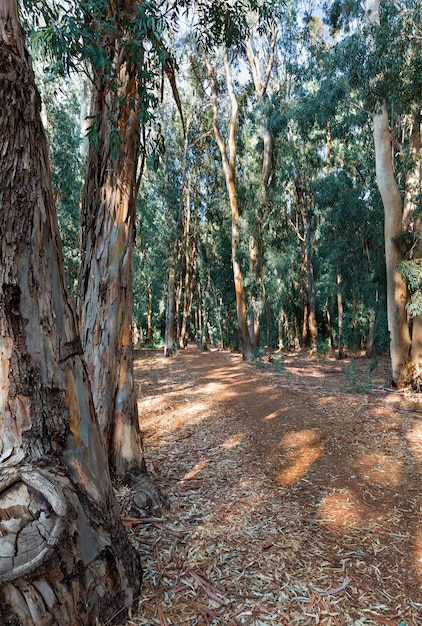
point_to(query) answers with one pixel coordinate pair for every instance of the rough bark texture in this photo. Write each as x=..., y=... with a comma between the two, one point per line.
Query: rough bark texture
x=64, y=556
x=106, y=277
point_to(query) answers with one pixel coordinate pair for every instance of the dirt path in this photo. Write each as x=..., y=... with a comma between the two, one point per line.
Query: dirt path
x=292, y=500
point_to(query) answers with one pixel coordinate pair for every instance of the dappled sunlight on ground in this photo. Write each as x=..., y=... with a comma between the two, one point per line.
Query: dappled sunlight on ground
x=292, y=501
x=341, y=511
x=301, y=450
x=198, y=467
x=414, y=438
x=380, y=469
x=232, y=441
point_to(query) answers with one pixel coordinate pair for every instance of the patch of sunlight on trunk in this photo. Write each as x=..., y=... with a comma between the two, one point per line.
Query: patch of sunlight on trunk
x=302, y=449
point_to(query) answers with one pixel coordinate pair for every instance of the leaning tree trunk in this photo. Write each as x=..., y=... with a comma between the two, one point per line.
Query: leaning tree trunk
x=397, y=294
x=65, y=558
x=228, y=159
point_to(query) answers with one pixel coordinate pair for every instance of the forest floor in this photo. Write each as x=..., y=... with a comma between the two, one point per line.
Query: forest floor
x=294, y=489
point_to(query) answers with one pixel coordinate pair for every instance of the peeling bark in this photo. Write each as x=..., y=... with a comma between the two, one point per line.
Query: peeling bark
x=65, y=558
x=105, y=290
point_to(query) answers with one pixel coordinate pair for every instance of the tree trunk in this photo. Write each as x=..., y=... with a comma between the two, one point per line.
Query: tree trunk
x=256, y=245
x=105, y=291
x=340, y=314
x=310, y=329
x=189, y=245
x=65, y=558
x=414, y=194
x=149, y=316
x=170, y=307
x=228, y=159
x=397, y=293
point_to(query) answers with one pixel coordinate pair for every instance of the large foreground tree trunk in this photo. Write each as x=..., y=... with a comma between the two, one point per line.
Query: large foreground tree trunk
x=64, y=556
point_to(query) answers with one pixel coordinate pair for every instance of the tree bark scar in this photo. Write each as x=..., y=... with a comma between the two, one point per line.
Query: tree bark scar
x=10, y=298
x=69, y=349
x=32, y=513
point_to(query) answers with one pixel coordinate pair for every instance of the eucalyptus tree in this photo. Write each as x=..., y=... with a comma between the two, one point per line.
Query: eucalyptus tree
x=65, y=558
x=127, y=42
x=223, y=49
x=388, y=44
x=121, y=47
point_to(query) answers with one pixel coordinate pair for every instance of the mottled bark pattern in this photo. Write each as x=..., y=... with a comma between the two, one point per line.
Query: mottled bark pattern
x=64, y=555
x=108, y=232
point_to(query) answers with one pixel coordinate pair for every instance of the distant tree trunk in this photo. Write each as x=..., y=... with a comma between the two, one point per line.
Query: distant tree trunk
x=228, y=158
x=65, y=558
x=149, y=315
x=256, y=244
x=310, y=327
x=189, y=244
x=170, y=331
x=340, y=314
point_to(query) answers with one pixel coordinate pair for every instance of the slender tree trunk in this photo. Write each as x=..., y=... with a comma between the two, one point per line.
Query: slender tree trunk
x=228, y=158
x=340, y=313
x=170, y=331
x=256, y=246
x=310, y=330
x=189, y=246
x=65, y=558
x=414, y=194
x=149, y=315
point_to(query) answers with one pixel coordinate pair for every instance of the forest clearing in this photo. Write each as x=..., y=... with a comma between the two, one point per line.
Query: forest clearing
x=294, y=492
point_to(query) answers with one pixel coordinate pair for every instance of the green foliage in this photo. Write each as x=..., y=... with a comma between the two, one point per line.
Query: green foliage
x=271, y=362
x=322, y=346
x=63, y=133
x=359, y=381
x=411, y=272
